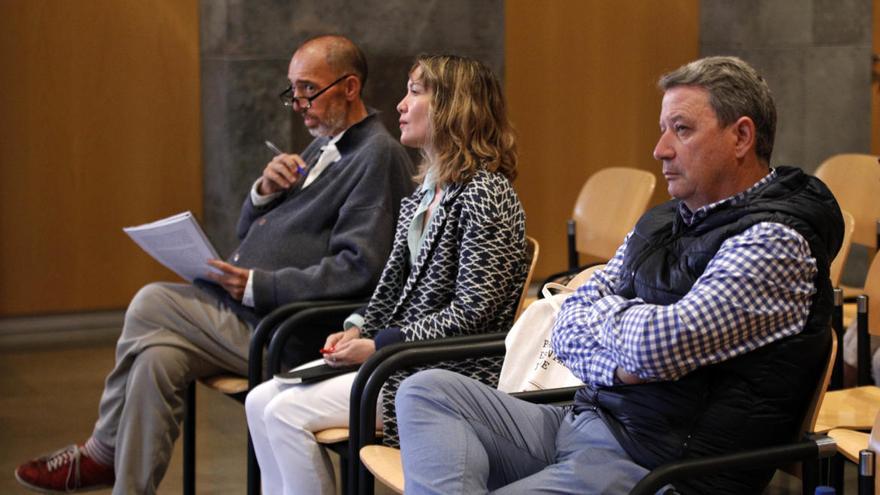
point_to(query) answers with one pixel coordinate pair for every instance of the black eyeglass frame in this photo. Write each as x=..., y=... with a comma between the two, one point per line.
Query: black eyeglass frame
x=289, y=100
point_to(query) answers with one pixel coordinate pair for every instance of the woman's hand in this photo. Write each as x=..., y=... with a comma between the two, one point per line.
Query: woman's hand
x=336, y=340
x=350, y=352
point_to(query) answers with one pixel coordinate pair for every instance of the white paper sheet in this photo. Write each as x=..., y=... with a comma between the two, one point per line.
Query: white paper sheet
x=178, y=242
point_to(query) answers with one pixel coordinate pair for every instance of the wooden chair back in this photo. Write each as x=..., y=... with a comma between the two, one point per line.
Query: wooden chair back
x=607, y=208
x=855, y=181
x=533, y=248
x=874, y=443
x=874, y=446
x=582, y=277
x=809, y=425
x=872, y=290
x=843, y=254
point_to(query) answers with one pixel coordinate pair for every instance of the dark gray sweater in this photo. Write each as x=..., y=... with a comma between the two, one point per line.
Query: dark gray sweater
x=331, y=239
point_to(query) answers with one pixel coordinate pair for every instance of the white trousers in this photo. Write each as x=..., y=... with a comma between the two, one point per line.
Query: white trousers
x=282, y=419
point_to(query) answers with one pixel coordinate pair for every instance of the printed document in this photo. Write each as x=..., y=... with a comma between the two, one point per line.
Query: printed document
x=178, y=242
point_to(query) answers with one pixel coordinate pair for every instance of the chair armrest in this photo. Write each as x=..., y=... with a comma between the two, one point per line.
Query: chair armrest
x=373, y=373
x=306, y=320
x=264, y=331
x=818, y=447
x=557, y=396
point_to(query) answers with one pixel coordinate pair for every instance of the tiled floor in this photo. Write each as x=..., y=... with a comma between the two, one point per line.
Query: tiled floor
x=49, y=397
x=49, y=393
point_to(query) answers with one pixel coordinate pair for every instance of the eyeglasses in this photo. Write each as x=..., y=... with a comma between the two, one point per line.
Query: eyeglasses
x=305, y=102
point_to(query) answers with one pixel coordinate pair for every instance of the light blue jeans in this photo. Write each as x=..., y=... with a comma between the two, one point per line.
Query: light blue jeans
x=459, y=436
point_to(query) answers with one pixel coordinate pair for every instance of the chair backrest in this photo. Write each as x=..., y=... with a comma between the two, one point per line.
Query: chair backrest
x=843, y=254
x=874, y=445
x=872, y=290
x=855, y=181
x=532, y=251
x=809, y=424
x=874, y=442
x=582, y=277
x=607, y=208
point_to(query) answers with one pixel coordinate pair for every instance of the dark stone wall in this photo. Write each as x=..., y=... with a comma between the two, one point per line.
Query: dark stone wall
x=245, y=49
x=816, y=56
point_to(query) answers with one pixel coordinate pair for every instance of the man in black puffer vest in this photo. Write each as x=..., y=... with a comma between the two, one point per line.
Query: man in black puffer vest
x=705, y=334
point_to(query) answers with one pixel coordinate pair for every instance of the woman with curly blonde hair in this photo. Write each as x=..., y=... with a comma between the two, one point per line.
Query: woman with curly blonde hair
x=469, y=125
x=456, y=267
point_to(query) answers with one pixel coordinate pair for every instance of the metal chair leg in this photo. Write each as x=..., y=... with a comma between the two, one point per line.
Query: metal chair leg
x=837, y=473
x=343, y=474
x=810, y=476
x=253, y=469
x=189, y=441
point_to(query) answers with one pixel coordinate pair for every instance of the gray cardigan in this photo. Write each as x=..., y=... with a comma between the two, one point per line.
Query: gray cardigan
x=331, y=239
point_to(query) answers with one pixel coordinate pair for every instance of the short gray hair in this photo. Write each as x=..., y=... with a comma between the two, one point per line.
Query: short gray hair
x=735, y=90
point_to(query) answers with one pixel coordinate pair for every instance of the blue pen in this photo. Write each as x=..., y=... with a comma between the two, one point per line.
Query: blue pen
x=299, y=169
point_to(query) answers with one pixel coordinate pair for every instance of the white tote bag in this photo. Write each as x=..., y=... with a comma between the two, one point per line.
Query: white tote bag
x=529, y=362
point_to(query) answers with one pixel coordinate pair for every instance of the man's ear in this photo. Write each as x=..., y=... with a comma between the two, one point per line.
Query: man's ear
x=352, y=88
x=744, y=130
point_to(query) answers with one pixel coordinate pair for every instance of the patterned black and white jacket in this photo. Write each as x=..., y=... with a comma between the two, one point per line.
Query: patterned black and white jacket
x=467, y=278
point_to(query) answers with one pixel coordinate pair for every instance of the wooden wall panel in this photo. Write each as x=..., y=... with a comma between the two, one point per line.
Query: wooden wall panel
x=580, y=80
x=100, y=129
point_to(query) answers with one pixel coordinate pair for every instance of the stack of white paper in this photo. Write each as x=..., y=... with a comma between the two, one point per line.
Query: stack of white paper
x=178, y=242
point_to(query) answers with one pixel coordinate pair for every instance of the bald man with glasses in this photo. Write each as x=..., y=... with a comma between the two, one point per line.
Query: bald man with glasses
x=316, y=225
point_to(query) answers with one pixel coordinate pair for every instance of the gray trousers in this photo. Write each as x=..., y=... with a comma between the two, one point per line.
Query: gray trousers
x=173, y=334
x=459, y=436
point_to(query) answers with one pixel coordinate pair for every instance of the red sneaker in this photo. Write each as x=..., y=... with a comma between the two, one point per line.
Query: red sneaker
x=65, y=471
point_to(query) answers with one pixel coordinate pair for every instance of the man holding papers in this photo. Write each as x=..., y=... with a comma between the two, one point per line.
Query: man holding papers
x=316, y=225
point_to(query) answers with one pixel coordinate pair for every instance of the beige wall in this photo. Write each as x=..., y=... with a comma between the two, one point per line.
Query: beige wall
x=100, y=129
x=580, y=79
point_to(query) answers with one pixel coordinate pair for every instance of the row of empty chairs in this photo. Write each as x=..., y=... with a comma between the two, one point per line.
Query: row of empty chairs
x=848, y=413
x=852, y=445
x=855, y=181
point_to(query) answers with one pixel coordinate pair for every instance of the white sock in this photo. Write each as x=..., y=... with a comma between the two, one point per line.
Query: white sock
x=101, y=453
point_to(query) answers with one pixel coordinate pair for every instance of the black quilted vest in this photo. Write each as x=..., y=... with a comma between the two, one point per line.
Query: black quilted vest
x=757, y=399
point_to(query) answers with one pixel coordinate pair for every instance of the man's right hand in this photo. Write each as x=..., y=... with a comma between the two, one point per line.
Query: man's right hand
x=280, y=174
x=627, y=378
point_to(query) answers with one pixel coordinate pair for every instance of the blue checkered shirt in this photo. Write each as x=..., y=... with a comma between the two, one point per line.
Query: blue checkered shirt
x=757, y=289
